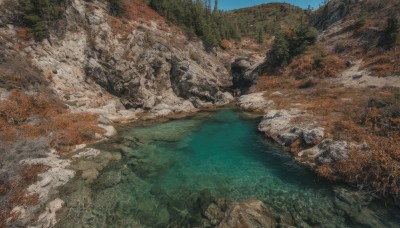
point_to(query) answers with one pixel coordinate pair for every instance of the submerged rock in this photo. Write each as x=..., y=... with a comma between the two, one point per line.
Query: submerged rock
x=249, y=213
x=48, y=218
x=355, y=206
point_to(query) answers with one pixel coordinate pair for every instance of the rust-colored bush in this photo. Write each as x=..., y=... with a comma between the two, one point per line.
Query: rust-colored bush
x=25, y=34
x=315, y=63
x=19, y=107
x=3, y=189
x=23, y=116
x=226, y=44
x=377, y=169
x=73, y=129
x=16, y=109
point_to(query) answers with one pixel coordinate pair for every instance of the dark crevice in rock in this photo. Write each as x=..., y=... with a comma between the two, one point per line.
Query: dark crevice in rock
x=244, y=73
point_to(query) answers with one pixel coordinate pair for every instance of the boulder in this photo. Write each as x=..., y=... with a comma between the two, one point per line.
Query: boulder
x=277, y=124
x=334, y=151
x=314, y=136
x=355, y=206
x=249, y=213
x=328, y=151
x=255, y=102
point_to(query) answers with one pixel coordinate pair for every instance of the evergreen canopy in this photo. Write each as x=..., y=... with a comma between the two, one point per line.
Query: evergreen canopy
x=198, y=18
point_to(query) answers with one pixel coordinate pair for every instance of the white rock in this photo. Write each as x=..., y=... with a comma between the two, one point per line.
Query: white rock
x=87, y=153
x=277, y=94
x=255, y=102
x=110, y=130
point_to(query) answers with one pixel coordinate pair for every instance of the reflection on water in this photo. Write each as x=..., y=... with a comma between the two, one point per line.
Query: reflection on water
x=166, y=168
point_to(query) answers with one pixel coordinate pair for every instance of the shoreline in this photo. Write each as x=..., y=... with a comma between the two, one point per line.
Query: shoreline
x=59, y=170
x=83, y=151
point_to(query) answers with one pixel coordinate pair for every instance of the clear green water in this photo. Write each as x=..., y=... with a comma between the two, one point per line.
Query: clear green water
x=167, y=166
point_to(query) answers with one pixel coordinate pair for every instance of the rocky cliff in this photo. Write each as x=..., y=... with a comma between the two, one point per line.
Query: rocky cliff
x=100, y=63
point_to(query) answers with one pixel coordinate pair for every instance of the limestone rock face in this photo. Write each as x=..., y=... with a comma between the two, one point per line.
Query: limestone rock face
x=97, y=66
x=145, y=69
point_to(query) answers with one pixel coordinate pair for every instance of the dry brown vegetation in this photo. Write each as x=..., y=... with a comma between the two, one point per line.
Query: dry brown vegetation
x=378, y=170
x=138, y=10
x=25, y=116
x=366, y=31
x=226, y=44
x=383, y=63
x=316, y=62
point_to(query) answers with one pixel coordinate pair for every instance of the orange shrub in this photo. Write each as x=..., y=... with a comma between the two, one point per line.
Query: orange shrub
x=3, y=189
x=300, y=66
x=25, y=34
x=16, y=109
x=226, y=44
x=50, y=117
x=19, y=196
x=332, y=65
x=316, y=65
x=73, y=129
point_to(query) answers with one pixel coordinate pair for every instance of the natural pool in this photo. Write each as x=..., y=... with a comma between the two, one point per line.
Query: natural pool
x=167, y=167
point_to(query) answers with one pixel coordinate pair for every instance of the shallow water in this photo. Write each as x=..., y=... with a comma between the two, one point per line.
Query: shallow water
x=166, y=167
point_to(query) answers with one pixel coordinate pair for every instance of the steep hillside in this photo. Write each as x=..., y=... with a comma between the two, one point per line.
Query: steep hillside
x=267, y=18
x=367, y=30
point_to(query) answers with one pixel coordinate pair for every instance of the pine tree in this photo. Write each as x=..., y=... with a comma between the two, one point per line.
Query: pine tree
x=279, y=54
x=391, y=35
x=215, y=7
x=197, y=17
x=115, y=7
x=236, y=34
x=40, y=14
x=260, y=35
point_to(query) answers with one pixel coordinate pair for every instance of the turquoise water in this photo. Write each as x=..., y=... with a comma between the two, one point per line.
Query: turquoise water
x=166, y=167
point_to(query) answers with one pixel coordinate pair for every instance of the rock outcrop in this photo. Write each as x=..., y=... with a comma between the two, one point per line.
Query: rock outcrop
x=318, y=148
x=328, y=151
x=277, y=125
x=103, y=64
x=254, y=102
